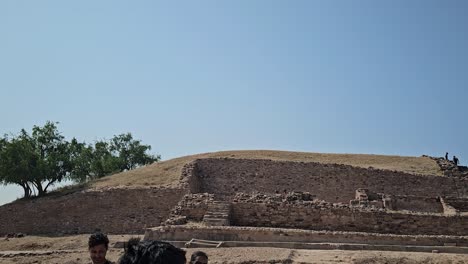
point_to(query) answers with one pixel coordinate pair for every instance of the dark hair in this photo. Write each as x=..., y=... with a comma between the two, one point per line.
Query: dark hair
x=151, y=251
x=98, y=239
x=197, y=254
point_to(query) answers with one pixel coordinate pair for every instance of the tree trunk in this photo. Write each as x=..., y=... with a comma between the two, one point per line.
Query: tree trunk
x=27, y=192
x=26, y=189
x=49, y=184
x=40, y=189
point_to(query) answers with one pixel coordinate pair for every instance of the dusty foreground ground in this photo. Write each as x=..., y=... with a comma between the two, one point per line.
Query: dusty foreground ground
x=73, y=249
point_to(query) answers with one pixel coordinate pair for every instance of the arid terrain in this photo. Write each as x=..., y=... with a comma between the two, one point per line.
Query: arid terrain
x=73, y=250
x=168, y=172
x=191, y=189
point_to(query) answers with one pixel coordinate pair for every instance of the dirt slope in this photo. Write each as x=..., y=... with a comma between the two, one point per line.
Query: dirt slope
x=168, y=172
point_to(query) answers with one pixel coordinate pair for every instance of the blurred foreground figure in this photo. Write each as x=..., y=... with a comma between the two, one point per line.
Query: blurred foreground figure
x=98, y=244
x=151, y=252
x=199, y=257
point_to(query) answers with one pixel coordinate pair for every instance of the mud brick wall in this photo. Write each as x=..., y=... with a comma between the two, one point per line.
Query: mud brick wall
x=418, y=204
x=459, y=204
x=114, y=211
x=337, y=217
x=192, y=206
x=330, y=182
x=188, y=178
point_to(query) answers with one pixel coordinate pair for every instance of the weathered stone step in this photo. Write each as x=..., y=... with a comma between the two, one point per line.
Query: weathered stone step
x=218, y=209
x=213, y=219
x=217, y=214
x=216, y=222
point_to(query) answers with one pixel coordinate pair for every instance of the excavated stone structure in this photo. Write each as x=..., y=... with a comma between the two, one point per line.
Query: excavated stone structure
x=246, y=200
x=265, y=194
x=449, y=168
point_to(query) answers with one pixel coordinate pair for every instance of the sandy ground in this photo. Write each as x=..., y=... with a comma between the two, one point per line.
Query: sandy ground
x=72, y=249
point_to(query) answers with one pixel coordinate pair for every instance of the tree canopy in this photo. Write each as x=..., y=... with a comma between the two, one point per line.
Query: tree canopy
x=43, y=158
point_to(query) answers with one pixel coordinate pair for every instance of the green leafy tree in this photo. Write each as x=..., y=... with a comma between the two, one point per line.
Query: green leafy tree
x=54, y=156
x=81, y=158
x=119, y=154
x=3, y=142
x=18, y=162
x=103, y=162
x=38, y=161
x=130, y=152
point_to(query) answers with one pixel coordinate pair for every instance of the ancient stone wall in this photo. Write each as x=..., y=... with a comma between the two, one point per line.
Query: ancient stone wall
x=129, y=210
x=188, y=178
x=192, y=206
x=330, y=182
x=274, y=211
x=417, y=204
x=459, y=204
x=449, y=168
x=115, y=211
x=263, y=234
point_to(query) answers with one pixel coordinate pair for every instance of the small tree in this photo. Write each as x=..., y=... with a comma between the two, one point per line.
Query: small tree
x=81, y=158
x=54, y=156
x=38, y=161
x=18, y=162
x=103, y=162
x=35, y=162
x=130, y=152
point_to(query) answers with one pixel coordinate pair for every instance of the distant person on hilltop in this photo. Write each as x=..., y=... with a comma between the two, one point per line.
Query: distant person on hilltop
x=455, y=160
x=446, y=155
x=98, y=244
x=199, y=257
x=151, y=252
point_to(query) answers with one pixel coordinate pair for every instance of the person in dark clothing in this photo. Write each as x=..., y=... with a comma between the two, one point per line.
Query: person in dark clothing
x=151, y=252
x=98, y=244
x=455, y=160
x=446, y=155
x=199, y=257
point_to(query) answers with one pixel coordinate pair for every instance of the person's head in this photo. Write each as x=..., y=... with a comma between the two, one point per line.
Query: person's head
x=199, y=257
x=151, y=252
x=98, y=244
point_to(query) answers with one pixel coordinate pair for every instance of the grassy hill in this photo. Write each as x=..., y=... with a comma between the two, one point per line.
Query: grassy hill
x=168, y=172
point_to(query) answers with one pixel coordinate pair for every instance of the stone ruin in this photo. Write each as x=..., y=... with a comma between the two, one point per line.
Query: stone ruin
x=230, y=196
x=449, y=168
x=245, y=201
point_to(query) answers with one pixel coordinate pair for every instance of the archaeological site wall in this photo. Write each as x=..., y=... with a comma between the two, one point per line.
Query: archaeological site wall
x=459, y=204
x=417, y=203
x=114, y=211
x=395, y=202
x=330, y=182
x=192, y=206
x=317, y=216
x=266, y=234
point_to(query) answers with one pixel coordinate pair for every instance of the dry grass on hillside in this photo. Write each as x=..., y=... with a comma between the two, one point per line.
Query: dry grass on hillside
x=168, y=172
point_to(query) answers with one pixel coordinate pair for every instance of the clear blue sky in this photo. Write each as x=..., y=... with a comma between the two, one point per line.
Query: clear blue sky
x=381, y=77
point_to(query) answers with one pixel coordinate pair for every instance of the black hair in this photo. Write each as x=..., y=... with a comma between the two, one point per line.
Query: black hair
x=197, y=254
x=98, y=239
x=151, y=251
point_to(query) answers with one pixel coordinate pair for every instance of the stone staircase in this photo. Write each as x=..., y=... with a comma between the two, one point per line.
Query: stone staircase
x=218, y=214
